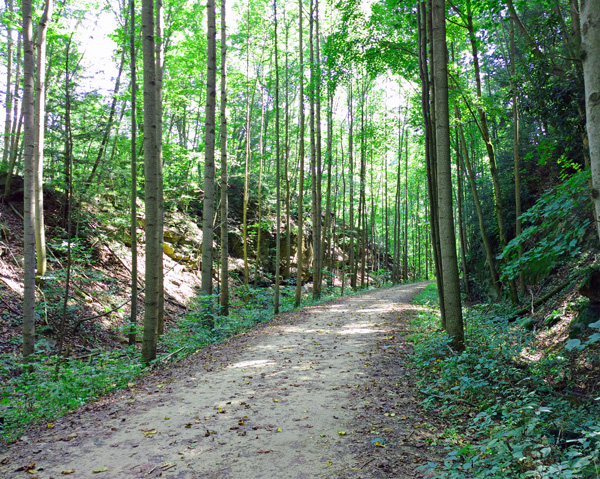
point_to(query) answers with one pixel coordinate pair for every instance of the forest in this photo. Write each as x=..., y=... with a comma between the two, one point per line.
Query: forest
x=175, y=173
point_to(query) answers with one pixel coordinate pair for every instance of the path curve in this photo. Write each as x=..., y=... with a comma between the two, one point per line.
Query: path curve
x=285, y=401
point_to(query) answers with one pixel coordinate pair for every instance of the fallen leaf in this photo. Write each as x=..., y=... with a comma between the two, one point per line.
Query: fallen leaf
x=264, y=451
x=50, y=426
x=342, y=433
x=150, y=433
x=68, y=471
x=100, y=469
x=279, y=429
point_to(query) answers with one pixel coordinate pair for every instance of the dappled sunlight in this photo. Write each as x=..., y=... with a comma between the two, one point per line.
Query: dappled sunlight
x=361, y=331
x=257, y=363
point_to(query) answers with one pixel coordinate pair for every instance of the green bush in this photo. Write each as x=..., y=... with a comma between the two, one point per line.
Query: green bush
x=514, y=423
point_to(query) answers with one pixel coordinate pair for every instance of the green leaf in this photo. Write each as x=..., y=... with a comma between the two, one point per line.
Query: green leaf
x=573, y=344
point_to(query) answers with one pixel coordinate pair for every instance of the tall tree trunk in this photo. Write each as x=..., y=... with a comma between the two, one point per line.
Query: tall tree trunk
x=485, y=134
x=516, y=156
x=151, y=179
x=351, y=259
x=363, y=200
x=8, y=119
x=590, y=39
x=317, y=221
x=430, y=153
x=300, y=261
x=224, y=189
x=327, y=237
x=259, y=193
x=461, y=229
x=451, y=285
x=40, y=129
x=159, y=52
x=278, y=169
x=286, y=173
x=134, y=245
x=480, y=216
x=29, y=197
x=16, y=126
x=209, y=148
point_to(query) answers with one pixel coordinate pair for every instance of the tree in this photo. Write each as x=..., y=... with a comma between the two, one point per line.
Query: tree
x=133, y=226
x=300, y=261
x=590, y=41
x=224, y=189
x=151, y=187
x=40, y=128
x=209, y=152
x=278, y=169
x=28, y=202
x=451, y=282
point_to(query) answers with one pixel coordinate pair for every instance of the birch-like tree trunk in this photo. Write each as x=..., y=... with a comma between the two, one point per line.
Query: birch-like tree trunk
x=28, y=202
x=40, y=129
x=590, y=45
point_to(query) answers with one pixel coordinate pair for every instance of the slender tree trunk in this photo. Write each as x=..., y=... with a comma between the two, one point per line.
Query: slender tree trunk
x=480, y=216
x=288, y=230
x=260, y=175
x=317, y=226
x=462, y=232
x=134, y=245
x=485, y=134
x=327, y=238
x=351, y=259
x=224, y=189
x=452, y=302
x=8, y=120
x=40, y=128
x=159, y=52
x=209, y=163
x=29, y=195
x=300, y=265
x=430, y=153
x=151, y=178
x=516, y=156
x=16, y=127
x=363, y=200
x=278, y=169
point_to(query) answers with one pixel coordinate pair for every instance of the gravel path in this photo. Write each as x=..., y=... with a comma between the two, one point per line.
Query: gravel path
x=306, y=396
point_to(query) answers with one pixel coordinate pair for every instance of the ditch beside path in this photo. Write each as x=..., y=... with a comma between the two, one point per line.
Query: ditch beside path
x=322, y=392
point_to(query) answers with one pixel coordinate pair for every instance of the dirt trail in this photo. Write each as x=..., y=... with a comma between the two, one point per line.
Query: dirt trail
x=322, y=393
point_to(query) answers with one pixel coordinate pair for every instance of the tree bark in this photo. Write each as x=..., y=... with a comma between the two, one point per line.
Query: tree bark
x=40, y=128
x=29, y=197
x=151, y=178
x=451, y=285
x=224, y=297
x=209, y=149
x=590, y=41
x=278, y=169
x=298, y=297
x=134, y=244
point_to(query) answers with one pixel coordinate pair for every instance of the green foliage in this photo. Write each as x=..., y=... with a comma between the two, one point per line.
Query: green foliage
x=42, y=396
x=512, y=421
x=554, y=229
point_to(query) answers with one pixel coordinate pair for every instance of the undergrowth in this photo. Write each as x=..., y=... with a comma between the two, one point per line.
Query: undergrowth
x=42, y=396
x=509, y=420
